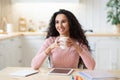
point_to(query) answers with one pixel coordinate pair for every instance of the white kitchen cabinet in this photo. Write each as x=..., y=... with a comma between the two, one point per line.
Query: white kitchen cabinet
x=106, y=52
x=10, y=52
x=30, y=47
x=19, y=51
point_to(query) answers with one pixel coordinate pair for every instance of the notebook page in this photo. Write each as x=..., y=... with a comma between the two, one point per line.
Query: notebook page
x=24, y=73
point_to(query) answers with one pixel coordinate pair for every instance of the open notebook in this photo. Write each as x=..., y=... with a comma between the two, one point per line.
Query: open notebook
x=97, y=75
x=24, y=73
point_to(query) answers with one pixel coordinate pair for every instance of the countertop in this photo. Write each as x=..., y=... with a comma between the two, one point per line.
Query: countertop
x=15, y=34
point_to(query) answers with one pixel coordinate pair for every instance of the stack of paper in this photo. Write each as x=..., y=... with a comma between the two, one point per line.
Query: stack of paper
x=97, y=75
x=24, y=73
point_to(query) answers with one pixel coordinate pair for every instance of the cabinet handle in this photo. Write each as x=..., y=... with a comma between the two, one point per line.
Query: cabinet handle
x=20, y=61
x=11, y=39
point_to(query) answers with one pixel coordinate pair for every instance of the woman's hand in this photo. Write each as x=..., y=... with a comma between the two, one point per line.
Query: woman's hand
x=52, y=46
x=76, y=45
x=55, y=44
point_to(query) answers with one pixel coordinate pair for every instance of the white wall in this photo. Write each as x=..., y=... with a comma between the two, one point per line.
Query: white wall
x=90, y=13
x=41, y=11
x=93, y=15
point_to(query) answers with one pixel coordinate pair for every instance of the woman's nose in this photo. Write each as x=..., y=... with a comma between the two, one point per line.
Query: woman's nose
x=60, y=25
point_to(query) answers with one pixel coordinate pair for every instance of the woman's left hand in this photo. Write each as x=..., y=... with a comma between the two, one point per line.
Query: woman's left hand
x=75, y=44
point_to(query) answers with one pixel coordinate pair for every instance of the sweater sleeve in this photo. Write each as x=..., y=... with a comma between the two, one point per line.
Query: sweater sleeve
x=41, y=56
x=87, y=57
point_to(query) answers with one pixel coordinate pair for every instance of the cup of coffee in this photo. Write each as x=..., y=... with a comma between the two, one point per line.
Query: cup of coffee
x=62, y=41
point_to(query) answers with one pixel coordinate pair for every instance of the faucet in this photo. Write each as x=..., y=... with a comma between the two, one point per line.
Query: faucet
x=88, y=30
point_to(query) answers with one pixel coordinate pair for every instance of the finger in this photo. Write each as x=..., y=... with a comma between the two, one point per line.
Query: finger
x=56, y=40
x=58, y=43
x=69, y=44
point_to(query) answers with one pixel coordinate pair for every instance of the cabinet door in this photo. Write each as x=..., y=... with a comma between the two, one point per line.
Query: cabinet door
x=92, y=43
x=107, y=51
x=10, y=52
x=31, y=45
x=2, y=58
x=16, y=51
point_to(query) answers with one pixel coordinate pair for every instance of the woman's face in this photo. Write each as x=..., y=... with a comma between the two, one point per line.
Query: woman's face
x=62, y=24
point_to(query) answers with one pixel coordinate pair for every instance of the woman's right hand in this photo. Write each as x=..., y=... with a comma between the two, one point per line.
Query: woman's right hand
x=55, y=44
x=52, y=46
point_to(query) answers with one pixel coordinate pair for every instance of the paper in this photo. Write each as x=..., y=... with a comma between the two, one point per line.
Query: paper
x=24, y=73
x=97, y=74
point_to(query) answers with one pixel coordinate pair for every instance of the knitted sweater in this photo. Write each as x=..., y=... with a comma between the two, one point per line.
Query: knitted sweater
x=60, y=58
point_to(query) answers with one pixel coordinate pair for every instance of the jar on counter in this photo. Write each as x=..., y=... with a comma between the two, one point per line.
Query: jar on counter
x=31, y=26
x=9, y=28
x=22, y=23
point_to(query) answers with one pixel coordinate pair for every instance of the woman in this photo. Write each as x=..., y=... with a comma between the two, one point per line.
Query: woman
x=64, y=23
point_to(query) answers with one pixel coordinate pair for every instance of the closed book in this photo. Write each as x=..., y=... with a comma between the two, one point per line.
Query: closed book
x=97, y=75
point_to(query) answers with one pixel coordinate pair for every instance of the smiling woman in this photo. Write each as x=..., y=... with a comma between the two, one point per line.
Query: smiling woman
x=77, y=51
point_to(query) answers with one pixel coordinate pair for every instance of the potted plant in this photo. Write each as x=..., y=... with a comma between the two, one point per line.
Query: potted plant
x=113, y=13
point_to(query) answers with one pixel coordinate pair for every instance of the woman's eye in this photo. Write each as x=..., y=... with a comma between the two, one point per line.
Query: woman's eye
x=56, y=22
x=63, y=21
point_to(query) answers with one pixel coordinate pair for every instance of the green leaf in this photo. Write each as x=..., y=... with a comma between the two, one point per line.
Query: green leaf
x=113, y=13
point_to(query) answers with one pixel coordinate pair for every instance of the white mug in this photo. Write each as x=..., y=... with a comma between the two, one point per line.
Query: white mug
x=63, y=40
x=9, y=28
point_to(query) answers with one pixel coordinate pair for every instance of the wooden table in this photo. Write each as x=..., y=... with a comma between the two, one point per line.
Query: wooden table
x=42, y=75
